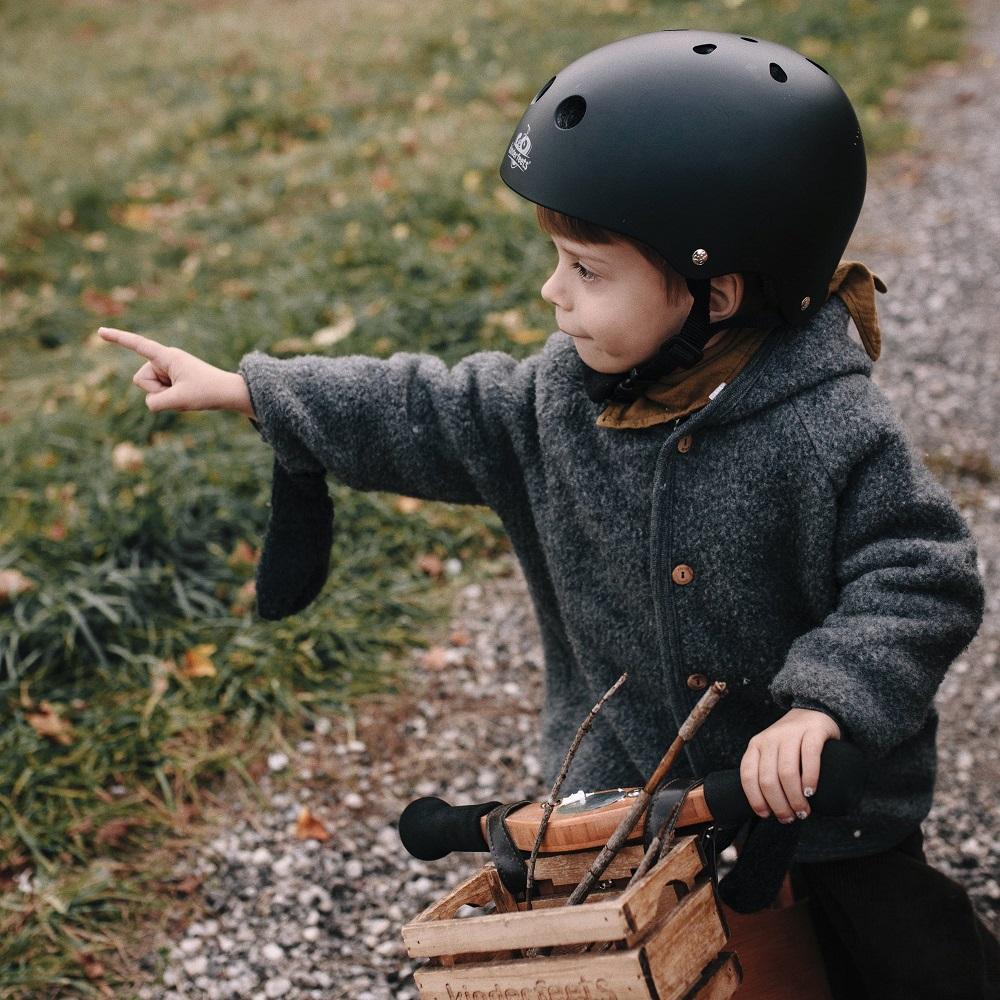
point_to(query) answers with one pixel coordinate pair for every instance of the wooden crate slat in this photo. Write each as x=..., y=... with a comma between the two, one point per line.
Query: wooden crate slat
x=600, y=921
x=573, y=977
x=651, y=898
x=720, y=980
x=475, y=891
x=568, y=869
x=688, y=939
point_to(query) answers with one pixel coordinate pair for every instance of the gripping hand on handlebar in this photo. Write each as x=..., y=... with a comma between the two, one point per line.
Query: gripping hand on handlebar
x=780, y=768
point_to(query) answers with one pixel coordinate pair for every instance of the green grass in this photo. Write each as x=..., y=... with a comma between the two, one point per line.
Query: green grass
x=228, y=177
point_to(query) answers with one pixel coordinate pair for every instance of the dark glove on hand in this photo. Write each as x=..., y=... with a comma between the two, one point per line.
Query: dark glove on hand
x=755, y=879
x=296, y=558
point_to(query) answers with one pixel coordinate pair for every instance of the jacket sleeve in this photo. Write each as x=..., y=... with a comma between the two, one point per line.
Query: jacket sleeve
x=407, y=424
x=909, y=597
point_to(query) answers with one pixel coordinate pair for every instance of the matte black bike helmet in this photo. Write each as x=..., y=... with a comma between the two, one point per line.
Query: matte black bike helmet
x=723, y=153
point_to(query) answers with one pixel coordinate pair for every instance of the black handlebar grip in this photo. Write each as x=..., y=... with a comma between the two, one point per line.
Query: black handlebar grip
x=841, y=782
x=430, y=828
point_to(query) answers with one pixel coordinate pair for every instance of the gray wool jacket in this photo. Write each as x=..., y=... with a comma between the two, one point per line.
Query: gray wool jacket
x=828, y=569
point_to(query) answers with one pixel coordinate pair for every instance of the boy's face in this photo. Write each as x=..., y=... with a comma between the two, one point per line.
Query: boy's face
x=613, y=302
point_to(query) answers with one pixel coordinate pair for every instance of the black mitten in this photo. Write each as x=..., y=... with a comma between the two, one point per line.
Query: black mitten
x=296, y=558
x=755, y=879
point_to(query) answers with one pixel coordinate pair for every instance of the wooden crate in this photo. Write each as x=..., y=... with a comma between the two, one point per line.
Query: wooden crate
x=661, y=939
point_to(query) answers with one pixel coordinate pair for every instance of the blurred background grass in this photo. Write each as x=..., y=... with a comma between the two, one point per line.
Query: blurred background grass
x=291, y=177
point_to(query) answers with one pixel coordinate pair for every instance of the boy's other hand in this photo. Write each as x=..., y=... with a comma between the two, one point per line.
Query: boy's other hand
x=175, y=380
x=780, y=768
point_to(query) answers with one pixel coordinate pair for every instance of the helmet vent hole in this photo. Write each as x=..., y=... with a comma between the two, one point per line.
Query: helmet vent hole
x=817, y=65
x=703, y=50
x=570, y=112
x=538, y=96
x=746, y=39
x=778, y=73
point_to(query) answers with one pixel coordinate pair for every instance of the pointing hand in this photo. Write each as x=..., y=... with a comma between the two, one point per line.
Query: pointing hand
x=175, y=380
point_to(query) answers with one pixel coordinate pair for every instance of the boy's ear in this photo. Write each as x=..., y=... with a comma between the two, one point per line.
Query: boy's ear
x=726, y=296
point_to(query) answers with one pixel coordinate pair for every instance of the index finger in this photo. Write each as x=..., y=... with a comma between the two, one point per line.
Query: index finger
x=143, y=346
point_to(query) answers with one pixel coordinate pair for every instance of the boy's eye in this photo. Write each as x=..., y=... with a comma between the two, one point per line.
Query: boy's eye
x=585, y=273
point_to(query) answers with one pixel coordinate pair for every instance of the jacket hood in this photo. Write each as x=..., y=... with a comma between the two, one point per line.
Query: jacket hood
x=791, y=361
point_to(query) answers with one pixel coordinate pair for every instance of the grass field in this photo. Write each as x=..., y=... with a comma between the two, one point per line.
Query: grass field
x=292, y=177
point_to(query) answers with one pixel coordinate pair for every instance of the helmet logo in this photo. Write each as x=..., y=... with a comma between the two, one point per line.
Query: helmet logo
x=519, y=149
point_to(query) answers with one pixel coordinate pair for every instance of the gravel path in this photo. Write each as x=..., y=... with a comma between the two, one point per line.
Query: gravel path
x=294, y=918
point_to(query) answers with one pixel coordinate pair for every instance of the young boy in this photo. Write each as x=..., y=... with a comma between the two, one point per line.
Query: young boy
x=696, y=472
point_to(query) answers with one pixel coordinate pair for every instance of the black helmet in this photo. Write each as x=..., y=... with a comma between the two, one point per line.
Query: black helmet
x=723, y=153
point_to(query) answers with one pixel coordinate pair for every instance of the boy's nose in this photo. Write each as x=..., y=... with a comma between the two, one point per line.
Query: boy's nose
x=553, y=291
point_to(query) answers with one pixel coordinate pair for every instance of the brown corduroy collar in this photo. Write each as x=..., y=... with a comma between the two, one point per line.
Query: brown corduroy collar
x=684, y=391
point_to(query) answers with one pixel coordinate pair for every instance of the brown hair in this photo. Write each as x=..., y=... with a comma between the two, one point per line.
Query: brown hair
x=570, y=228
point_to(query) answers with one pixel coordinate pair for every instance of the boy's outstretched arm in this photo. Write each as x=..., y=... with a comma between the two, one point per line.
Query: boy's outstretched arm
x=175, y=380
x=407, y=424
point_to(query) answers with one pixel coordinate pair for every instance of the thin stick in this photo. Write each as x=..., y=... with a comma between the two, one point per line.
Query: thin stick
x=550, y=802
x=691, y=724
x=663, y=838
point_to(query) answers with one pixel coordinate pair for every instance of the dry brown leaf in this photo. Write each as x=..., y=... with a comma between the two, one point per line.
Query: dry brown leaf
x=244, y=554
x=114, y=831
x=408, y=505
x=198, y=661
x=335, y=333
x=47, y=723
x=92, y=968
x=237, y=288
x=436, y=658
x=100, y=303
x=56, y=532
x=528, y=335
x=244, y=599
x=308, y=827
x=431, y=564
x=126, y=457
x=12, y=583
x=187, y=885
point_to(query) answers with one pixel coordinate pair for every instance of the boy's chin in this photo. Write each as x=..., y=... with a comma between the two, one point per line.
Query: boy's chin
x=593, y=359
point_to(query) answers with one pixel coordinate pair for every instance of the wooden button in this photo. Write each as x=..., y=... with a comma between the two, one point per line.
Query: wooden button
x=684, y=444
x=697, y=682
x=682, y=574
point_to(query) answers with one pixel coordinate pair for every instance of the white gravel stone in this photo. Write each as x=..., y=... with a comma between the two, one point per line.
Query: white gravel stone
x=277, y=987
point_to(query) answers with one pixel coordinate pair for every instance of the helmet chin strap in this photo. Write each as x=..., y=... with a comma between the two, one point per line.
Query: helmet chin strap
x=684, y=350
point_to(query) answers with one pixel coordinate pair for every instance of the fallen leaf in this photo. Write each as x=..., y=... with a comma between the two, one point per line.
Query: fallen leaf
x=237, y=288
x=126, y=457
x=198, y=662
x=244, y=599
x=436, y=658
x=56, y=531
x=187, y=885
x=292, y=345
x=100, y=303
x=459, y=638
x=430, y=564
x=46, y=722
x=114, y=831
x=528, y=336
x=244, y=554
x=308, y=827
x=408, y=505
x=12, y=583
x=334, y=334
x=92, y=968
x=382, y=179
